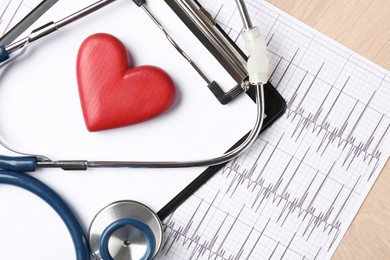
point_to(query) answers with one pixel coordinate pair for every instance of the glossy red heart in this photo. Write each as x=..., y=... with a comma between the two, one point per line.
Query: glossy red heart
x=113, y=94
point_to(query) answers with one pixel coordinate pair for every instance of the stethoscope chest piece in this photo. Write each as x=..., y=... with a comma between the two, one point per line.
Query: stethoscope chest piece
x=125, y=230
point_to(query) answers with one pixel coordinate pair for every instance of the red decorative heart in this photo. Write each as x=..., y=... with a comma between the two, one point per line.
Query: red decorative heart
x=113, y=94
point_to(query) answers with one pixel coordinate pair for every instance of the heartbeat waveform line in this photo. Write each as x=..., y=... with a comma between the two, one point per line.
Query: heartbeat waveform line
x=318, y=253
x=202, y=247
x=287, y=68
x=288, y=246
x=356, y=148
x=332, y=133
x=270, y=193
x=207, y=246
x=273, y=251
x=299, y=109
x=258, y=238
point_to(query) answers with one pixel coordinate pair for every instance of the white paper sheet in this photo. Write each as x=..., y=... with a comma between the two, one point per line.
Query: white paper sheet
x=40, y=113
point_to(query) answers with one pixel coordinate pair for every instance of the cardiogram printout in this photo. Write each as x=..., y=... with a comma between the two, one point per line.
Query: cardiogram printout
x=295, y=192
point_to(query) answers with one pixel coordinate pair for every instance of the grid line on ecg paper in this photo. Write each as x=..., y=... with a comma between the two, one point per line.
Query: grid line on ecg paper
x=324, y=81
x=306, y=175
x=318, y=41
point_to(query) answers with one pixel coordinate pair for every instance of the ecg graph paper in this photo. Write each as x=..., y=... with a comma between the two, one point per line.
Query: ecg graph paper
x=296, y=191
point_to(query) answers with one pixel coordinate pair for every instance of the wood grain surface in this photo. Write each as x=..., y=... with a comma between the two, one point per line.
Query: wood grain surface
x=363, y=26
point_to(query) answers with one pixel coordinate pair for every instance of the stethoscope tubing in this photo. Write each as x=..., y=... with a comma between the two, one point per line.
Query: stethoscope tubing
x=226, y=157
x=32, y=162
x=41, y=190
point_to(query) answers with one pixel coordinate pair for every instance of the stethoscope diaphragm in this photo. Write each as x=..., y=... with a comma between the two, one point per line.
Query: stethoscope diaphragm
x=125, y=230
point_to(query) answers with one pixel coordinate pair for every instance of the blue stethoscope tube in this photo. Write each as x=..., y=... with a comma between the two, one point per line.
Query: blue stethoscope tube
x=38, y=188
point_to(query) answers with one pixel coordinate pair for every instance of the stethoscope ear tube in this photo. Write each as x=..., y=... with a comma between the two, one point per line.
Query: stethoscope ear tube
x=38, y=188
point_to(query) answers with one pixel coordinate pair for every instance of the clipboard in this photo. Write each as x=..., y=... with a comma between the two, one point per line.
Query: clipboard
x=275, y=106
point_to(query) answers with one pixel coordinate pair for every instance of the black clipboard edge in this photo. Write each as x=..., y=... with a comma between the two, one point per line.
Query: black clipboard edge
x=275, y=106
x=27, y=21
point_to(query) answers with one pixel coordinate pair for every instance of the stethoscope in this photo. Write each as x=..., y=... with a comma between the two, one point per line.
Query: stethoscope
x=124, y=229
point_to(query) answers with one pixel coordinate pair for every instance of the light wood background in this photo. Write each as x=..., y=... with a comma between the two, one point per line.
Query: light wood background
x=363, y=26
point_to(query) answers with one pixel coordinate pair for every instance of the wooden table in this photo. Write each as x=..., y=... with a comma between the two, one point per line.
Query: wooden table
x=363, y=26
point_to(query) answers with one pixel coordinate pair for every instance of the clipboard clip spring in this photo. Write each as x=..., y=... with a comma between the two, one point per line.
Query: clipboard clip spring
x=222, y=96
x=201, y=23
